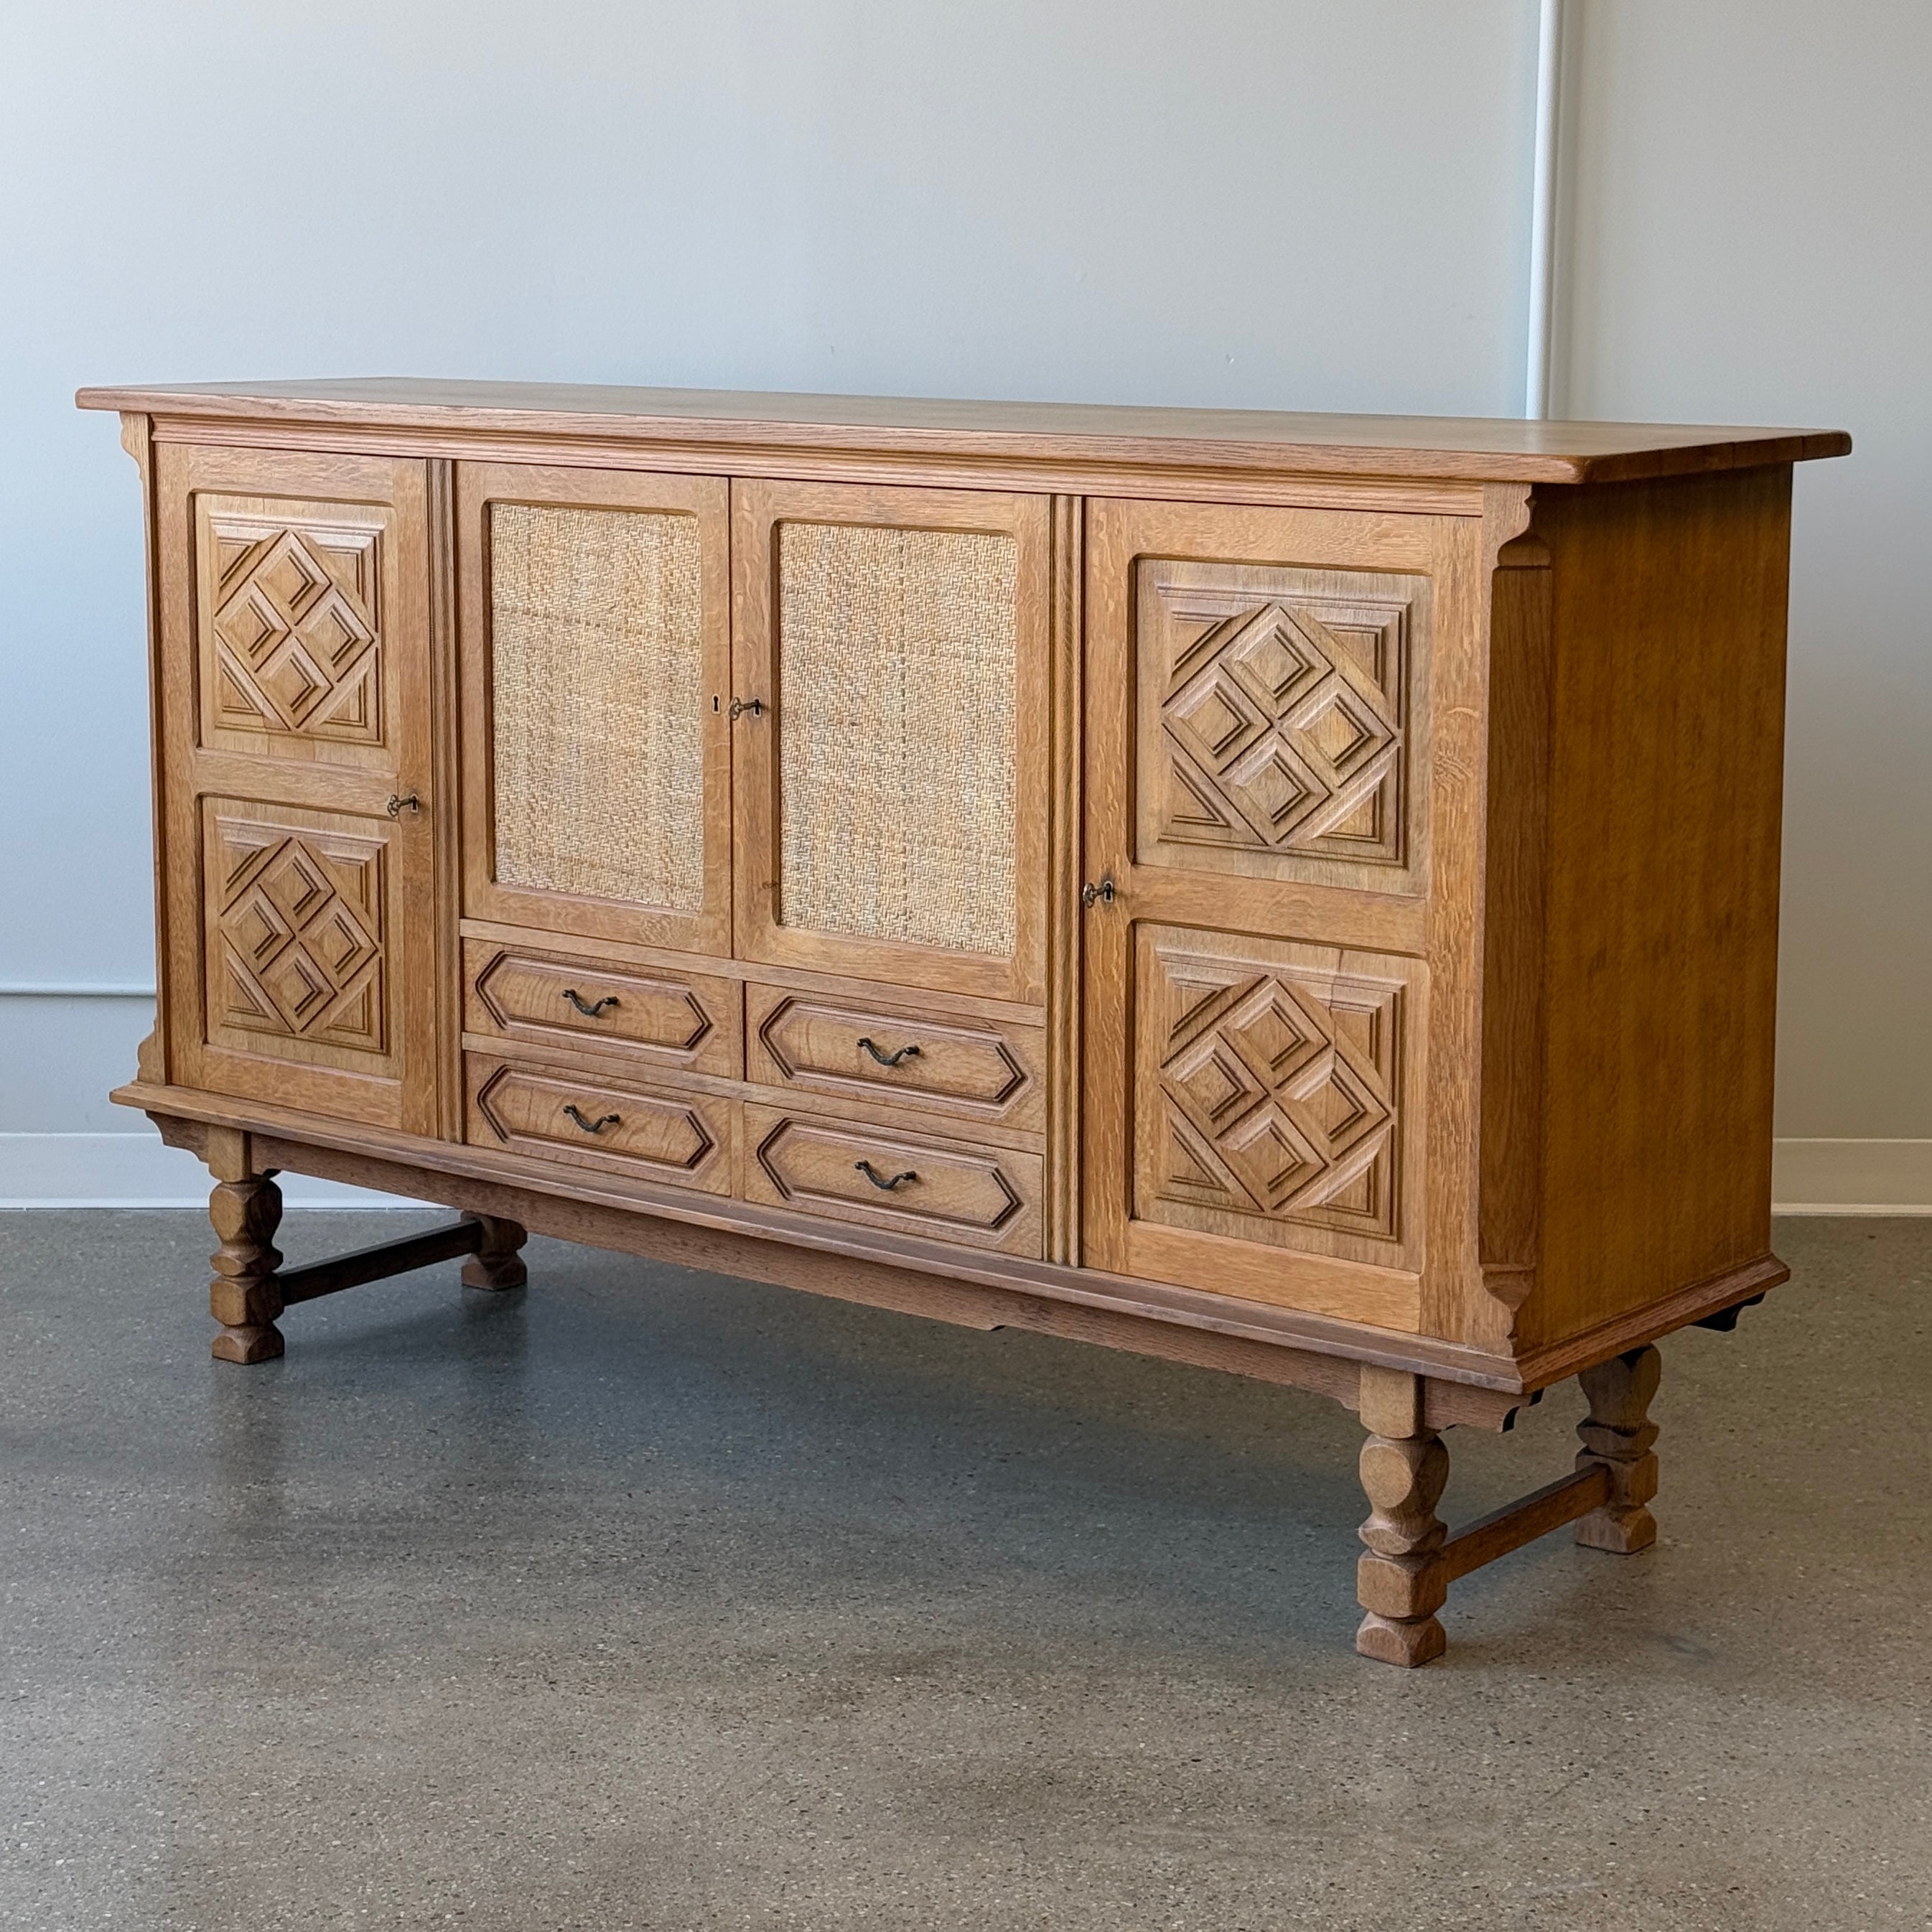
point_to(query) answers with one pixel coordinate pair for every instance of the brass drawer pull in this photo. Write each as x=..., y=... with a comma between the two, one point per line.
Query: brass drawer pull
x=590, y=1127
x=592, y=1011
x=879, y=1180
x=890, y=1059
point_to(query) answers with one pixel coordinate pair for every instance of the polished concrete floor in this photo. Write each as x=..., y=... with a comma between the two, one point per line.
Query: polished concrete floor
x=649, y=1600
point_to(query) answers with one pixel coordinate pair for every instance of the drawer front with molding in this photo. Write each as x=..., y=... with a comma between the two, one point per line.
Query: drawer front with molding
x=668, y=1017
x=912, y=1183
x=970, y=1069
x=616, y=1127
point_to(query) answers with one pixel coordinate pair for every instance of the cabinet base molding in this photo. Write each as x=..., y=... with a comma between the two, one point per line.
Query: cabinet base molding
x=1411, y=1558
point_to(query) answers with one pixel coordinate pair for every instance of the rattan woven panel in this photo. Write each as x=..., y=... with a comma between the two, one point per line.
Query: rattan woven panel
x=597, y=678
x=896, y=703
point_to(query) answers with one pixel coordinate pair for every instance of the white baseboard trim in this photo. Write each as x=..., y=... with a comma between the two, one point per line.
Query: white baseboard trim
x=136, y=1170
x=1852, y=1176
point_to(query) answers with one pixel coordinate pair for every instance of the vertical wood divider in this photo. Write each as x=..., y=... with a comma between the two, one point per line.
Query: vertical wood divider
x=1064, y=859
x=444, y=797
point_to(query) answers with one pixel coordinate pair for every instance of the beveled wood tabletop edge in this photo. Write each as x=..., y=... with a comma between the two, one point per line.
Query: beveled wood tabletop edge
x=1229, y=440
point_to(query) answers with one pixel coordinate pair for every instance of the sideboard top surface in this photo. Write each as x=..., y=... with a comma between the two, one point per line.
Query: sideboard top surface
x=1471, y=448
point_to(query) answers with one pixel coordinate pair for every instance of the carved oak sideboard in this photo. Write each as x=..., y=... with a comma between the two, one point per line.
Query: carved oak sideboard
x=1296, y=895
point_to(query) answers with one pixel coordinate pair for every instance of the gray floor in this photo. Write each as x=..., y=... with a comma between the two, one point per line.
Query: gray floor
x=646, y=1599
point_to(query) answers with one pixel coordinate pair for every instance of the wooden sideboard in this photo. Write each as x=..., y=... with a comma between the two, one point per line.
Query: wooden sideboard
x=1297, y=895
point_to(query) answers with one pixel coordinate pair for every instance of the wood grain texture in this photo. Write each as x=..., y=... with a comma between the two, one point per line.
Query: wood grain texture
x=1065, y=804
x=1660, y=944
x=1281, y=729
x=1401, y=1581
x=547, y=998
x=671, y=1135
x=245, y=1296
x=1523, y=1521
x=137, y=438
x=1619, y=1444
x=1522, y=668
x=904, y=1181
x=445, y=827
x=1483, y=449
x=864, y=1050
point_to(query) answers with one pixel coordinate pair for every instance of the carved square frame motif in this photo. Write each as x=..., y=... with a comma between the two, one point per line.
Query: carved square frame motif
x=290, y=626
x=1275, y=1086
x=1280, y=726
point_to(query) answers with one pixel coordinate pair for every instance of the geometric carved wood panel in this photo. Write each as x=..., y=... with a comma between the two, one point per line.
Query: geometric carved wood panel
x=1269, y=1086
x=1274, y=718
x=298, y=933
x=291, y=629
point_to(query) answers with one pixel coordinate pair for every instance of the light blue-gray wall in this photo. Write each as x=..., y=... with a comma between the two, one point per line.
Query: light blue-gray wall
x=1291, y=204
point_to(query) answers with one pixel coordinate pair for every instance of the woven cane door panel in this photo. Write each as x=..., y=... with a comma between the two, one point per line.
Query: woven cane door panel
x=897, y=689
x=1279, y=730
x=891, y=783
x=595, y=652
x=596, y=626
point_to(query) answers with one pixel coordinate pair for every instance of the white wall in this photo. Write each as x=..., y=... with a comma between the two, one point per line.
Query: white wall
x=1752, y=240
x=1284, y=203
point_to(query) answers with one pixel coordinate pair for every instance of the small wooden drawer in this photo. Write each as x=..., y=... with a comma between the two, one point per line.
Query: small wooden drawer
x=972, y=1070
x=914, y=1184
x=615, y=1126
x=665, y=1016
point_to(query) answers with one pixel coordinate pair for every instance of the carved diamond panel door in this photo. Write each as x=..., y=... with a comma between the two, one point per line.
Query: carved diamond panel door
x=1270, y=1093
x=1259, y=733
x=1277, y=731
x=299, y=774
x=300, y=934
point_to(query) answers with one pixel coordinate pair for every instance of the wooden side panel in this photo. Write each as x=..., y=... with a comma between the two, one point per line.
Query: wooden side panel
x=1660, y=941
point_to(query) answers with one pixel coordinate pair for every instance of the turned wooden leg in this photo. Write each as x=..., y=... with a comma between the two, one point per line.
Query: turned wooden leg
x=245, y=1296
x=1618, y=1436
x=1400, y=1582
x=497, y=1264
